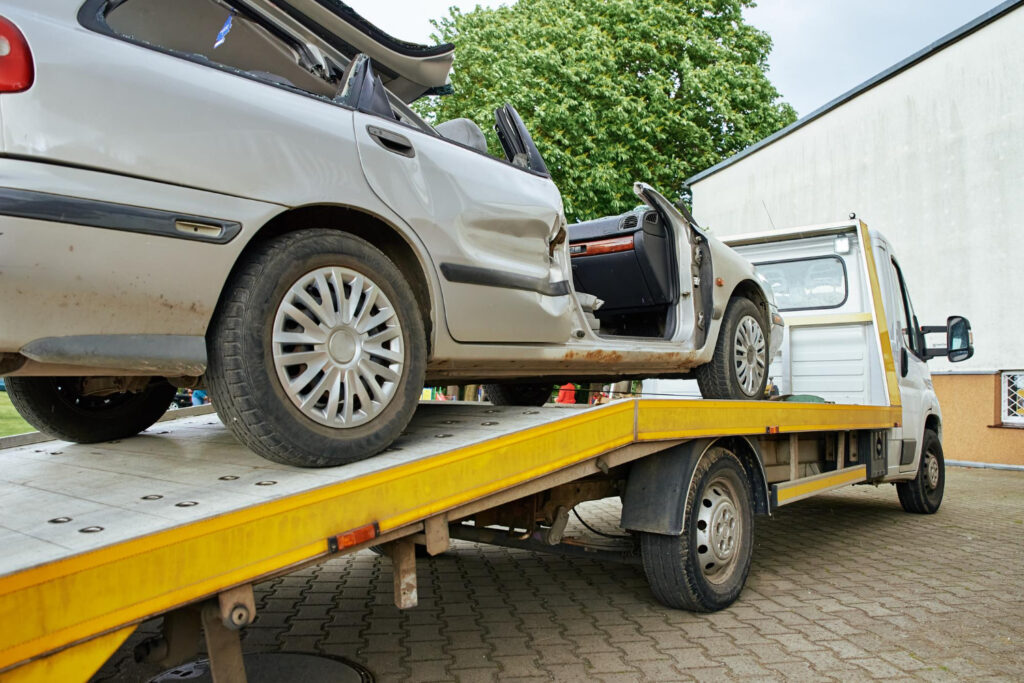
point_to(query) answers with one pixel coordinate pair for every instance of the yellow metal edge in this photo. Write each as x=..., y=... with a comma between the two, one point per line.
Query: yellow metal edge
x=881, y=324
x=829, y=319
x=134, y=546
x=666, y=419
x=789, y=491
x=76, y=663
x=152, y=576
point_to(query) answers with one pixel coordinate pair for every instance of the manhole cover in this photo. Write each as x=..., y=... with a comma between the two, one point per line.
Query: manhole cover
x=273, y=667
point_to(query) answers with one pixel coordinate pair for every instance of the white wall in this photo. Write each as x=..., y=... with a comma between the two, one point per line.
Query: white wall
x=934, y=159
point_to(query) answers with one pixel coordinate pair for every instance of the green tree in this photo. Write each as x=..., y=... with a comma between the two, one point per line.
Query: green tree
x=615, y=91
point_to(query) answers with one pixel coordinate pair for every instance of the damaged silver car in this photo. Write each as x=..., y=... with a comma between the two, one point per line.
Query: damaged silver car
x=234, y=194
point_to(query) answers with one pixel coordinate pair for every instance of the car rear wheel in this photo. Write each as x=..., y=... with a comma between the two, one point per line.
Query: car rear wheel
x=739, y=368
x=317, y=352
x=59, y=407
x=532, y=394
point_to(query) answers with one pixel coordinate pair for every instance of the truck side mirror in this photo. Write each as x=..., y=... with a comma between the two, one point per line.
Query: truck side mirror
x=959, y=340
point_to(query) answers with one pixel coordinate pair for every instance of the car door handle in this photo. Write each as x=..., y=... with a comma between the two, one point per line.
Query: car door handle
x=391, y=141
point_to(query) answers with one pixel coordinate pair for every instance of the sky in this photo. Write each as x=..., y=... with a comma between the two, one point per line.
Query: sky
x=822, y=48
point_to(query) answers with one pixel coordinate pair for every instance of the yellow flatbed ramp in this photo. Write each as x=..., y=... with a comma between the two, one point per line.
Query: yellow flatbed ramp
x=97, y=538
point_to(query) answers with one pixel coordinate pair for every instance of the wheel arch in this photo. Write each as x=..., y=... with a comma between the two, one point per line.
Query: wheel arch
x=749, y=289
x=369, y=227
x=749, y=453
x=667, y=476
x=934, y=423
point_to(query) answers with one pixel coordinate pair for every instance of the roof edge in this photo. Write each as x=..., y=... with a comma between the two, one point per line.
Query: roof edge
x=942, y=43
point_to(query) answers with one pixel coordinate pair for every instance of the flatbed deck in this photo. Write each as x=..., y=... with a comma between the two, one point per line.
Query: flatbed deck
x=98, y=538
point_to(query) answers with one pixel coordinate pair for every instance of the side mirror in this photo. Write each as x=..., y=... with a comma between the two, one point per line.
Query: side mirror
x=959, y=340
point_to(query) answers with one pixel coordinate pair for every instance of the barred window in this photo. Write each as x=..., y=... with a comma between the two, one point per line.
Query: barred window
x=1013, y=398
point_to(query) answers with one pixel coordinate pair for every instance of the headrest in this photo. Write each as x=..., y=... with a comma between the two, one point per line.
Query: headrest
x=464, y=132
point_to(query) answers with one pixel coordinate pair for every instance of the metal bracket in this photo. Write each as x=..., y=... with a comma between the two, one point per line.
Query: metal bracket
x=435, y=529
x=403, y=561
x=554, y=533
x=178, y=641
x=224, y=646
x=237, y=607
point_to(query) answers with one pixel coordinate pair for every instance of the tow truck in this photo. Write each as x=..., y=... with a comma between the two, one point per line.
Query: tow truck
x=182, y=520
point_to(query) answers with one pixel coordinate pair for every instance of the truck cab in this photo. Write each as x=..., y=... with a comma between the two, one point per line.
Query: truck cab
x=852, y=336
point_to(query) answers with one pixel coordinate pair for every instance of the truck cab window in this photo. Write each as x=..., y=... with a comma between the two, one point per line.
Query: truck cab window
x=910, y=330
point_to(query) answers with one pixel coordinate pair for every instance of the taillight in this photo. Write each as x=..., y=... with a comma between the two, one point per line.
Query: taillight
x=16, y=71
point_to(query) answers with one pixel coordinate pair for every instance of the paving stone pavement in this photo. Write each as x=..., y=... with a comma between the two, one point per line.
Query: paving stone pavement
x=845, y=586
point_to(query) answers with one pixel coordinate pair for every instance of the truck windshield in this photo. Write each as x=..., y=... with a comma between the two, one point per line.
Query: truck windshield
x=806, y=283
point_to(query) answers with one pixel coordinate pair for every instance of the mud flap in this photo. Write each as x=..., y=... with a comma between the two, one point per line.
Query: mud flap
x=656, y=489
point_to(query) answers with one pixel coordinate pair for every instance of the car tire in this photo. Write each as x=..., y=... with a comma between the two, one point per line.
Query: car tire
x=686, y=571
x=739, y=368
x=518, y=394
x=56, y=406
x=317, y=352
x=923, y=494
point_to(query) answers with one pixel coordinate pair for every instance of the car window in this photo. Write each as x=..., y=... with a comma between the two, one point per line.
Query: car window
x=214, y=32
x=806, y=283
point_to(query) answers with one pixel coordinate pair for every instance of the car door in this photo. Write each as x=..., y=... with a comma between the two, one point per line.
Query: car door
x=486, y=223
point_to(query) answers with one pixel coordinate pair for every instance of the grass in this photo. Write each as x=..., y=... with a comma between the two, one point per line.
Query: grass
x=10, y=421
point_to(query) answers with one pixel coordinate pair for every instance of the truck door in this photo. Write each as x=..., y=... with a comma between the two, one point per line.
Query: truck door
x=914, y=378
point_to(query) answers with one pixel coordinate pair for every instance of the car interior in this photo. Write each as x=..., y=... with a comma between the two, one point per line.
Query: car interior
x=628, y=262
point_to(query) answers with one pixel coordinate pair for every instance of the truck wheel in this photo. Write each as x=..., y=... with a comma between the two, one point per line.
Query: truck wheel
x=739, y=368
x=56, y=406
x=923, y=493
x=317, y=351
x=518, y=394
x=704, y=569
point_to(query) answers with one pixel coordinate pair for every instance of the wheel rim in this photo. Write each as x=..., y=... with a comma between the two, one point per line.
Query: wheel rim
x=719, y=530
x=931, y=470
x=749, y=355
x=337, y=347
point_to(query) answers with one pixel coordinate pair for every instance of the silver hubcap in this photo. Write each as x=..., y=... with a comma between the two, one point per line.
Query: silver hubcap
x=750, y=355
x=337, y=347
x=931, y=464
x=719, y=530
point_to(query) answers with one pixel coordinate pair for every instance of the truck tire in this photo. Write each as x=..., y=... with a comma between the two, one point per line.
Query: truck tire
x=704, y=568
x=923, y=493
x=56, y=406
x=317, y=351
x=739, y=368
x=518, y=394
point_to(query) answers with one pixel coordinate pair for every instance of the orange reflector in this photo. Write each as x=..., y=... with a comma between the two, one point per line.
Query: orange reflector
x=353, y=538
x=720, y=282
x=772, y=430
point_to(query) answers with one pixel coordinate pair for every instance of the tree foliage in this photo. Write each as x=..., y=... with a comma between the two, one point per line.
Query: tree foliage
x=615, y=91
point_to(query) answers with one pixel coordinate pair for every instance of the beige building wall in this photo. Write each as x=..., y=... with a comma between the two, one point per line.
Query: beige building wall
x=971, y=429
